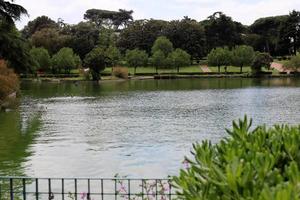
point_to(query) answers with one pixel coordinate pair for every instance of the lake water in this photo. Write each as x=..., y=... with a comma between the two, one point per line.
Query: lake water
x=133, y=128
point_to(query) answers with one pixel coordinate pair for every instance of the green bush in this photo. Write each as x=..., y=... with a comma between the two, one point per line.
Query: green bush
x=41, y=57
x=136, y=58
x=261, y=60
x=293, y=63
x=66, y=60
x=120, y=72
x=97, y=60
x=219, y=57
x=259, y=164
x=9, y=83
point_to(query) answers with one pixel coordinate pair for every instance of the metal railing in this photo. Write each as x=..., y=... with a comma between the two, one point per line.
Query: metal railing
x=24, y=188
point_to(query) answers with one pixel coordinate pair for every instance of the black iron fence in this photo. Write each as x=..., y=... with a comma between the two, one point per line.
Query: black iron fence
x=23, y=188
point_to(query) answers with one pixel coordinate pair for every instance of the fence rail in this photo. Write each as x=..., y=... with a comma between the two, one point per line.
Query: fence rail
x=24, y=188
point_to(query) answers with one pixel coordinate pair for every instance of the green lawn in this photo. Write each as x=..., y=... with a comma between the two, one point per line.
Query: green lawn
x=192, y=68
x=246, y=69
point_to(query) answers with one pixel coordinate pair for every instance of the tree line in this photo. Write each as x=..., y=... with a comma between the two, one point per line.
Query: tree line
x=115, y=35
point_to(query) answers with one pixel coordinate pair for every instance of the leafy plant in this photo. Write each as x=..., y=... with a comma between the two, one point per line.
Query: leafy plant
x=65, y=59
x=120, y=72
x=97, y=60
x=136, y=58
x=250, y=164
x=219, y=57
x=294, y=63
x=9, y=82
x=261, y=60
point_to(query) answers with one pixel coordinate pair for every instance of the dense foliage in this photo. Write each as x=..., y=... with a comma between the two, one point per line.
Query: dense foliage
x=219, y=57
x=9, y=81
x=294, y=63
x=136, y=58
x=261, y=60
x=116, y=32
x=242, y=56
x=179, y=58
x=97, y=60
x=42, y=58
x=259, y=164
x=65, y=59
x=10, y=11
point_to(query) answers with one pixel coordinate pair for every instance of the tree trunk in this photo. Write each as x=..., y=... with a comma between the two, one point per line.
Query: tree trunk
x=95, y=75
x=134, y=70
x=241, y=69
x=156, y=69
x=219, y=69
x=177, y=69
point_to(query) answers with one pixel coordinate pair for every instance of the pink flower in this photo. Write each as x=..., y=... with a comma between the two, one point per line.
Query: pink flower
x=186, y=164
x=83, y=195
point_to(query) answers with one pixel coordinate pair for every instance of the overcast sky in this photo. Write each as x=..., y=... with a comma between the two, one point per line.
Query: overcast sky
x=245, y=11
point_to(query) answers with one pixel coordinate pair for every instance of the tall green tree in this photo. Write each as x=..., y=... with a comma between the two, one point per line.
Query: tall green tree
x=14, y=48
x=109, y=18
x=294, y=63
x=158, y=60
x=42, y=58
x=269, y=30
x=84, y=37
x=141, y=34
x=97, y=60
x=179, y=58
x=51, y=39
x=11, y=12
x=114, y=55
x=64, y=59
x=261, y=60
x=219, y=57
x=291, y=31
x=221, y=30
x=163, y=44
x=38, y=24
x=242, y=56
x=189, y=35
x=107, y=38
x=136, y=58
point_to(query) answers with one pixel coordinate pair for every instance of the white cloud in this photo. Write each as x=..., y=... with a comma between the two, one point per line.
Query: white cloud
x=245, y=11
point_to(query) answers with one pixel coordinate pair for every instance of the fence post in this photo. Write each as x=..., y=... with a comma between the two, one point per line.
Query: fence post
x=36, y=189
x=62, y=189
x=11, y=189
x=75, y=180
x=24, y=188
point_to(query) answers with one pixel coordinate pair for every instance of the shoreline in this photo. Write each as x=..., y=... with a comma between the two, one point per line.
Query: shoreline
x=160, y=77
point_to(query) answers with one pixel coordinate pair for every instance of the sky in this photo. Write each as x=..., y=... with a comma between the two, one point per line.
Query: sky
x=244, y=11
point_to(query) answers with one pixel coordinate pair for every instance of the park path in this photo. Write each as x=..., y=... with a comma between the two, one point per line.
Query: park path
x=279, y=67
x=205, y=68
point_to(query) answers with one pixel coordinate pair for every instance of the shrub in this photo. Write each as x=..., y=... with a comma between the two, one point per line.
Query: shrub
x=162, y=44
x=97, y=60
x=120, y=72
x=41, y=57
x=254, y=164
x=136, y=58
x=294, y=63
x=85, y=73
x=9, y=82
x=219, y=57
x=261, y=60
x=179, y=58
x=65, y=59
x=242, y=56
